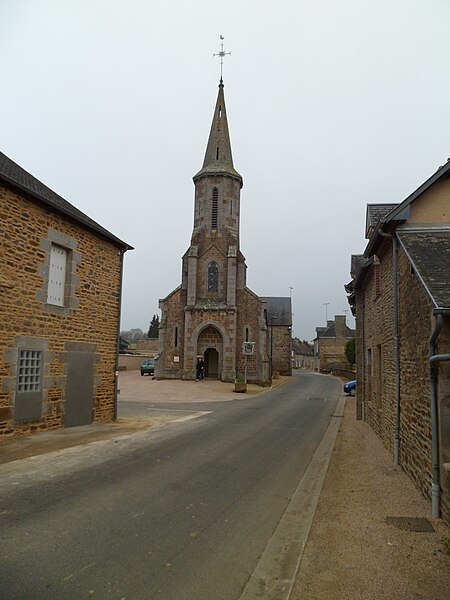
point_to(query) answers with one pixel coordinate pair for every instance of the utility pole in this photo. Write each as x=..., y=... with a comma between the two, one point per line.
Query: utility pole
x=326, y=310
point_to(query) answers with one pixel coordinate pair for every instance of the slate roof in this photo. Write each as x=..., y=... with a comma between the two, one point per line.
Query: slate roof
x=301, y=348
x=16, y=177
x=330, y=331
x=357, y=261
x=279, y=308
x=376, y=212
x=429, y=253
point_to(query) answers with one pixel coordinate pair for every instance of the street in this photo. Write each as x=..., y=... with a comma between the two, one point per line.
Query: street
x=181, y=512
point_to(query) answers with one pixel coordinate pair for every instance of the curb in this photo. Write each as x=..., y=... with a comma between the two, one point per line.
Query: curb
x=276, y=571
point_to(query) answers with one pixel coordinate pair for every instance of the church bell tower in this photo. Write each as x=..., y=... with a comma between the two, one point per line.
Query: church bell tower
x=213, y=313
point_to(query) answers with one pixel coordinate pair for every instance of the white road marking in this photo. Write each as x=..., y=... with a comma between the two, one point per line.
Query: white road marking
x=193, y=416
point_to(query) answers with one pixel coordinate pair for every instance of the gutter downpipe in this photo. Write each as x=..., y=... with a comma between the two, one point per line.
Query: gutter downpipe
x=396, y=347
x=119, y=316
x=435, y=458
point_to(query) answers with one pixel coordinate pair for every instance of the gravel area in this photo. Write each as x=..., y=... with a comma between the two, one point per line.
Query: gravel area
x=355, y=549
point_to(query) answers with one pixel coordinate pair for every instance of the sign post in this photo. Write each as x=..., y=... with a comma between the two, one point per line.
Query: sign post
x=247, y=350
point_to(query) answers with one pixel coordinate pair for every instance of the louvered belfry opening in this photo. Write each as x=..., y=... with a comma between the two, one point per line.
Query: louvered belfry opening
x=215, y=207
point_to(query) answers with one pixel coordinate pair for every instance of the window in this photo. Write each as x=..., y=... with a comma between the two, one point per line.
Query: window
x=176, y=337
x=29, y=375
x=215, y=206
x=57, y=275
x=247, y=334
x=213, y=277
x=60, y=280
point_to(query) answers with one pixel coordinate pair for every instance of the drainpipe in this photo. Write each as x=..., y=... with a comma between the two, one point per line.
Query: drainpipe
x=435, y=458
x=396, y=346
x=116, y=370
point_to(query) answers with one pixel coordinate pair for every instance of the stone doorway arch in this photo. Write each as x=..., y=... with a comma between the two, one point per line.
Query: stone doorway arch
x=210, y=346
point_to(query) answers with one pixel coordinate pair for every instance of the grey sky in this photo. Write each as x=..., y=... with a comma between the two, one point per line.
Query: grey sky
x=331, y=105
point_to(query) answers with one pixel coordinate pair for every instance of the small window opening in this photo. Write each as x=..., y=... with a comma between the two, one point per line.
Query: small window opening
x=29, y=371
x=231, y=207
x=176, y=337
x=215, y=208
x=247, y=334
x=220, y=111
x=217, y=153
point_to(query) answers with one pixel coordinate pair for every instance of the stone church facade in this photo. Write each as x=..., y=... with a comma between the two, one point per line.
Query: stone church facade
x=212, y=313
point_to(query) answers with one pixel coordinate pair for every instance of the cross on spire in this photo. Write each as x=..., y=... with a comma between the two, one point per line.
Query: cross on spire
x=221, y=54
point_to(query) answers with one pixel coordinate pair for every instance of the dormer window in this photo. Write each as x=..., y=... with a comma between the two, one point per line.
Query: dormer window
x=215, y=208
x=213, y=277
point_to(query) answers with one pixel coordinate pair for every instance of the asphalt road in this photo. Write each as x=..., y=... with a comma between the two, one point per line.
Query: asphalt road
x=180, y=513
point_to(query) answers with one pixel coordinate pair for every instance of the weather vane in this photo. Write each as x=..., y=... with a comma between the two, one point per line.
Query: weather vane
x=222, y=53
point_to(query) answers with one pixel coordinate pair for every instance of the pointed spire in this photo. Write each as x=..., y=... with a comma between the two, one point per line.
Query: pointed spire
x=218, y=156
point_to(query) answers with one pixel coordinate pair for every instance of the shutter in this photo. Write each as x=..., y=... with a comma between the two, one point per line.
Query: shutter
x=57, y=276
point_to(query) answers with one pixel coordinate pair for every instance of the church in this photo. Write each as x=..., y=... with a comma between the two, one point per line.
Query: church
x=213, y=314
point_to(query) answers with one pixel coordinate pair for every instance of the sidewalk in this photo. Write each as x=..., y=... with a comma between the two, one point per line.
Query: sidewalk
x=353, y=551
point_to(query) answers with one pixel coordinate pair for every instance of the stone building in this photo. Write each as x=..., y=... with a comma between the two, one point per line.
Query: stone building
x=302, y=355
x=400, y=295
x=213, y=312
x=60, y=296
x=329, y=345
x=279, y=321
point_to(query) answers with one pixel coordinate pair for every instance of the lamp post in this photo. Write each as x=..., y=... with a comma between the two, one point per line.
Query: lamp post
x=272, y=319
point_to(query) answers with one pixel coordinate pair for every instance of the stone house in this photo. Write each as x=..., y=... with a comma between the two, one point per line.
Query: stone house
x=302, y=355
x=400, y=295
x=329, y=345
x=213, y=312
x=60, y=298
x=279, y=321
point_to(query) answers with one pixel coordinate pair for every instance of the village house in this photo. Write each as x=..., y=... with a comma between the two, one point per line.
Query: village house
x=60, y=298
x=302, y=355
x=329, y=346
x=400, y=295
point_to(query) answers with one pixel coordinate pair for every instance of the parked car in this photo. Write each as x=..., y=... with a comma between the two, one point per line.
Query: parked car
x=350, y=387
x=148, y=366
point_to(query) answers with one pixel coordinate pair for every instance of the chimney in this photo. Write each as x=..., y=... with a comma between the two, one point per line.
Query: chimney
x=339, y=322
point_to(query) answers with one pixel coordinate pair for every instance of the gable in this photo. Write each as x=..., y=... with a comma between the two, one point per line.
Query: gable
x=433, y=206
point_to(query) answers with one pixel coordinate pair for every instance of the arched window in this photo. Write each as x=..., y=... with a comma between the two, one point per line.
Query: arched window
x=213, y=277
x=215, y=207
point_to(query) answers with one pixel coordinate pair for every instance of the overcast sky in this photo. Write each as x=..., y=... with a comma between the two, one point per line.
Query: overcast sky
x=331, y=105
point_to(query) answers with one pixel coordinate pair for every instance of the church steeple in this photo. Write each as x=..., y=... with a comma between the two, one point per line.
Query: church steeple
x=218, y=157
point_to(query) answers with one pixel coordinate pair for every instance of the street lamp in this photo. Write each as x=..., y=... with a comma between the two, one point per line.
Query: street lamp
x=272, y=319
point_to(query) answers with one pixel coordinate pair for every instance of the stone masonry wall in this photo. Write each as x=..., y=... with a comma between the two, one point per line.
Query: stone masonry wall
x=282, y=350
x=376, y=373
x=92, y=317
x=415, y=325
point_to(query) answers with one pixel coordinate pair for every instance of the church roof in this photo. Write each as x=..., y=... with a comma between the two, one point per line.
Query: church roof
x=218, y=157
x=279, y=311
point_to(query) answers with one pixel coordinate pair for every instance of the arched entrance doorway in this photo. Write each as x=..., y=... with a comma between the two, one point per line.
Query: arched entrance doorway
x=211, y=363
x=210, y=346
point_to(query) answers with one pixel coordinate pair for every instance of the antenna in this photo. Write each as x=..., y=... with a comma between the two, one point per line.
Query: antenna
x=221, y=54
